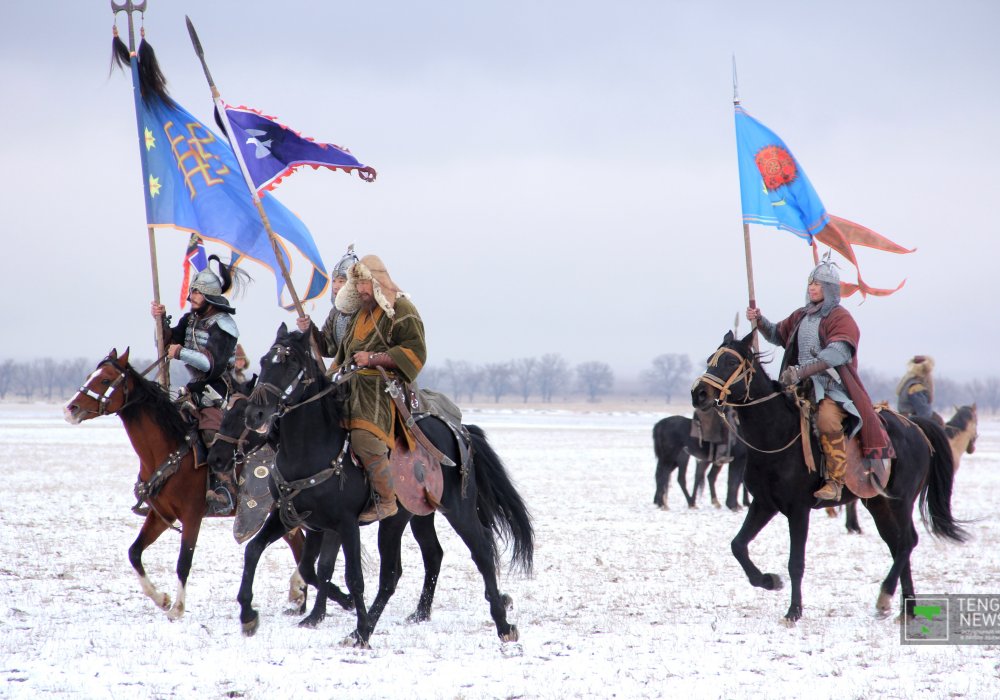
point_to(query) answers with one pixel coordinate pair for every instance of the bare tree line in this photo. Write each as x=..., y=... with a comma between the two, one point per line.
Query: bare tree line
x=544, y=378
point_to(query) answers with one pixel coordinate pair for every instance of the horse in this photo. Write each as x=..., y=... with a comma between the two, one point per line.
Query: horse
x=235, y=444
x=962, y=430
x=317, y=482
x=169, y=480
x=673, y=446
x=780, y=481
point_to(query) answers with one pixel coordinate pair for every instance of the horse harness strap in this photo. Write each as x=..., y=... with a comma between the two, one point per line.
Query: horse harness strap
x=288, y=490
x=805, y=417
x=735, y=430
x=145, y=491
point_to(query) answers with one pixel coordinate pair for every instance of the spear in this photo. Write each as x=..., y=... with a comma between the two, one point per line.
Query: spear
x=129, y=7
x=272, y=237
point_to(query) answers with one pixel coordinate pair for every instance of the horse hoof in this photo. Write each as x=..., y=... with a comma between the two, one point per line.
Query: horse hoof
x=355, y=641
x=311, y=622
x=175, y=613
x=788, y=622
x=250, y=628
x=664, y=507
x=417, y=617
x=164, y=603
x=508, y=602
x=716, y=503
x=772, y=582
x=884, y=604
x=511, y=636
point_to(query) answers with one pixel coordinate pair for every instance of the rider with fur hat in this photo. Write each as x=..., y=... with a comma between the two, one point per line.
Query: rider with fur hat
x=205, y=340
x=915, y=393
x=821, y=342
x=332, y=334
x=385, y=331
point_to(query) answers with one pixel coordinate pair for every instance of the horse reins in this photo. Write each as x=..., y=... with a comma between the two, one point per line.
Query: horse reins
x=104, y=399
x=745, y=371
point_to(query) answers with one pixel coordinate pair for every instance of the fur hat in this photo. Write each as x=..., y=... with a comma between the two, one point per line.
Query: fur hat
x=920, y=365
x=384, y=289
x=241, y=354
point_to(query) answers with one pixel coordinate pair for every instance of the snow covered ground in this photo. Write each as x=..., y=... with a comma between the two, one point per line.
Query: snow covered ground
x=627, y=600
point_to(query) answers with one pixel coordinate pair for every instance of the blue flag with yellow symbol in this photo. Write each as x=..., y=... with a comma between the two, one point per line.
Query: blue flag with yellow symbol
x=774, y=188
x=195, y=185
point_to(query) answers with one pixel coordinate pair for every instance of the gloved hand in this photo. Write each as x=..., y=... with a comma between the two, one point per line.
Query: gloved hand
x=796, y=373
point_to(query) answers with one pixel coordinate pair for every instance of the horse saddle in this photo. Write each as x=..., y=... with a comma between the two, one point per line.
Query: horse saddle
x=417, y=477
x=254, y=498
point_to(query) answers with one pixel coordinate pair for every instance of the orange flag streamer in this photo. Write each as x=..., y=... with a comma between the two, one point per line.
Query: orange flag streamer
x=842, y=235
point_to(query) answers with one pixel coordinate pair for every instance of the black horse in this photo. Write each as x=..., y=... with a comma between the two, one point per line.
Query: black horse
x=316, y=481
x=674, y=445
x=235, y=444
x=779, y=480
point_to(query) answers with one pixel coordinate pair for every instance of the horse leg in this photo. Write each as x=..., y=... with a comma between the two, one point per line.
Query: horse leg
x=424, y=533
x=390, y=536
x=483, y=551
x=663, y=470
x=851, y=518
x=682, y=466
x=901, y=537
x=297, y=590
x=321, y=577
x=350, y=536
x=798, y=533
x=713, y=473
x=189, y=539
x=733, y=480
x=756, y=518
x=699, y=482
x=270, y=532
x=152, y=528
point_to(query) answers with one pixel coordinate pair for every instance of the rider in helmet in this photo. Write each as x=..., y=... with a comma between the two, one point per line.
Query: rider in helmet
x=205, y=341
x=821, y=342
x=332, y=335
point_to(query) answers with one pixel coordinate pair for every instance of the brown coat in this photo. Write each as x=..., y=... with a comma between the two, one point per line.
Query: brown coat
x=839, y=325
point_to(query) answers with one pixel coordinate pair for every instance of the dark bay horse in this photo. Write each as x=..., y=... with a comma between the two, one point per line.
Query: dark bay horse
x=317, y=482
x=162, y=440
x=674, y=445
x=779, y=480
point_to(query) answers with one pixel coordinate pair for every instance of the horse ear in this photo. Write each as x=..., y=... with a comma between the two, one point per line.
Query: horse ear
x=124, y=356
x=252, y=383
x=282, y=330
x=113, y=355
x=748, y=338
x=728, y=338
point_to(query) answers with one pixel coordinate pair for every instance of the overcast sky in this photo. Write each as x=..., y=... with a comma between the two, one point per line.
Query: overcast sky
x=553, y=176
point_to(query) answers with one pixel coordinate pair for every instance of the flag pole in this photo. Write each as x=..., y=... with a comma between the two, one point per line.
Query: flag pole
x=272, y=237
x=746, y=230
x=129, y=7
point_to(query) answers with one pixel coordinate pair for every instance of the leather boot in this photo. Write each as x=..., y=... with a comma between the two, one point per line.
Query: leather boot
x=835, y=449
x=220, y=498
x=384, y=504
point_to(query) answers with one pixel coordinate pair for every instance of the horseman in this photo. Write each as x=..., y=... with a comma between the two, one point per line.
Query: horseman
x=205, y=340
x=332, y=335
x=385, y=331
x=821, y=342
x=915, y=393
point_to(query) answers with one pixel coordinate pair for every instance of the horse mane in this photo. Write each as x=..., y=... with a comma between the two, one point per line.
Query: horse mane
x=148, y=396
x=298, y=343
x=960, y=421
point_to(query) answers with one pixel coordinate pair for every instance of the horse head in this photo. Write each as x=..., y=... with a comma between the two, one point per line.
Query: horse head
x=730, y=376
x=104, y=392
x=288, y=370
x=234, y=440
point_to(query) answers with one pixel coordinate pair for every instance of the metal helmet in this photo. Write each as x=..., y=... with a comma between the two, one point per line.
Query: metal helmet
x=213, y=286
x=825, y=273
x=341, y=268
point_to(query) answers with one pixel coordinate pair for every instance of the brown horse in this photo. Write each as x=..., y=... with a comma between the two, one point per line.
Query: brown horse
x=962, y=430
x=169, y=480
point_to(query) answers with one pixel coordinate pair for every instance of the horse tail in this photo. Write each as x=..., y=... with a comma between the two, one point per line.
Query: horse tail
x=657, y=440
x=935, y=496
x=501, y=508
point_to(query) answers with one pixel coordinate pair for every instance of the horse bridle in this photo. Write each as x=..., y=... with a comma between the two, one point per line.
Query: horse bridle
x=745, y=371
x=282, y=352
x=103, y=400
x=239, y=456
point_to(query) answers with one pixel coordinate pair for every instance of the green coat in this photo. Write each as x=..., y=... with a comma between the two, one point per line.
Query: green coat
x=402, y=337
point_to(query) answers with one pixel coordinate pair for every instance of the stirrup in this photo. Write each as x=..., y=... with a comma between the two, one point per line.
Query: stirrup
x=837, y=488
x=218, y=504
